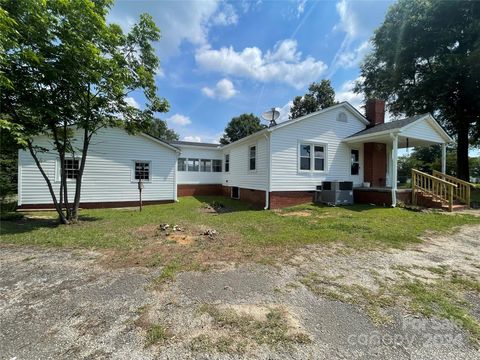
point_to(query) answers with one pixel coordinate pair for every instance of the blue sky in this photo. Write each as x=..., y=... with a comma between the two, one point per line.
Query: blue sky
x=220, y=59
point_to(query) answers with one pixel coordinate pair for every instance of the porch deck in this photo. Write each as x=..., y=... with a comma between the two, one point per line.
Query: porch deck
x=380, y=195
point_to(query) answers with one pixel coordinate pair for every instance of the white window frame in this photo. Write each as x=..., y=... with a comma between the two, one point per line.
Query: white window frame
x=312, y=157
x=150, y=171
x=186, y=164
x=249, y=158
x=351, y=162
x=200, y=166
x=226, y=162
x=198, y=160
x=58, y=168
x=221, y=165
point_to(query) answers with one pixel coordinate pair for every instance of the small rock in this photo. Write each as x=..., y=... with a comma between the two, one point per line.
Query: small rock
x=164, y=227
x=226, y=287
x=177, y=228
x=210, y=233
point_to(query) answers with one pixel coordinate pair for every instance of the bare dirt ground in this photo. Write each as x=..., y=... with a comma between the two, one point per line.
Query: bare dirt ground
x=63, y=304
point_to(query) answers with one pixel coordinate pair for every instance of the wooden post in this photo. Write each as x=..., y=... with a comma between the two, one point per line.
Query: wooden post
x=140, y=188
x=414, y=185
x=450, y=200
x=444, y=158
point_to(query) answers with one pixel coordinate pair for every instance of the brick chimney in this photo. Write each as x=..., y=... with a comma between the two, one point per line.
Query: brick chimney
x=375, y=111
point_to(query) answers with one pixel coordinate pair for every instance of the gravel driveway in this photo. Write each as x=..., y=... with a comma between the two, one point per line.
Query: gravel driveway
x=62, y=304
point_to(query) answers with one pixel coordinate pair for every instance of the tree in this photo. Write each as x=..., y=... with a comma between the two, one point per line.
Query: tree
x=159, y=129
x=320, y=96
x=69, y=73
x=241, y=126
x=426, y=58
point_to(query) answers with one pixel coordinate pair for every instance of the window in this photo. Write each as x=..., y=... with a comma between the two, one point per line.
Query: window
x=192, y=164
x=142, y=170
x=312, y=157
x=252, y=157
x=205, y=165
x=319, y=155
x=355, y=155
x=227, y=162
x=182, y=164
x=217, y=165
x=71, y=168
x=305, y=157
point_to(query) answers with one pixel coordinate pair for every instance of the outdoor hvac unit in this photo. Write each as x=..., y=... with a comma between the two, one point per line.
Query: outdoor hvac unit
x=335, y=193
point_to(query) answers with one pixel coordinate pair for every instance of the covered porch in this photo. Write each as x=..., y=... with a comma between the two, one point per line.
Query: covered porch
x=381, y=145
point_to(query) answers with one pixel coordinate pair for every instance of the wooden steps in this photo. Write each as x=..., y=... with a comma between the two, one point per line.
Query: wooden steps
x=440, y=191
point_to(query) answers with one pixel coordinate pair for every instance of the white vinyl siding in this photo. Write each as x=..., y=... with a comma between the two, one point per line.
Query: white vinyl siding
x=319, y=130
x=197, y=176
x=239, y=174
x=109, y=170
x=424, y=131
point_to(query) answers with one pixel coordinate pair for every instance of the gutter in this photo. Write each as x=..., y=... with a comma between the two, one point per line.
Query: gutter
x=269, y=152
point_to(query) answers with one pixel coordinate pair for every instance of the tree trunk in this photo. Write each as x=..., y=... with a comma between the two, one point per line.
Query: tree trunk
x=463, y=171
x=78, y=186
x=61, y=215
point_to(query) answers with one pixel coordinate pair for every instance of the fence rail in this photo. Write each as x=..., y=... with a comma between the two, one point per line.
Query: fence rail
x=463, y=189
x=436, y=187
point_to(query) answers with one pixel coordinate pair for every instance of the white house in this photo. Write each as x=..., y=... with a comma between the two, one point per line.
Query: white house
x=279, y=166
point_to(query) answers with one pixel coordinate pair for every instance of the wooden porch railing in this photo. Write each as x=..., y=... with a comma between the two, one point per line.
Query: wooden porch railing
x=439, y=189
x=462, y=192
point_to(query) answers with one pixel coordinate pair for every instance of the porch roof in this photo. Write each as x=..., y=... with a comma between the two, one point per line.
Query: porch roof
x=417, y=130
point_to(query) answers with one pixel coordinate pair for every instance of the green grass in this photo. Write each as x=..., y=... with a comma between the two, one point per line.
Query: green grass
x=359, y=226
x=156, y=334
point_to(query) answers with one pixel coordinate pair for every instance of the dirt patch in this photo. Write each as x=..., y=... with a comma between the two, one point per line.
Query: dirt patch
x=302, y=213
x=181, y=239
x=215, y=208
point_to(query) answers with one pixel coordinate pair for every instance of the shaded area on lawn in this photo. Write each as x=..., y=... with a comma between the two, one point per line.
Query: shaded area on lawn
x=134, y=238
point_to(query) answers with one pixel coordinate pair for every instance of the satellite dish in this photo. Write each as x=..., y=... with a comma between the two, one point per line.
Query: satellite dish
x=271, y=116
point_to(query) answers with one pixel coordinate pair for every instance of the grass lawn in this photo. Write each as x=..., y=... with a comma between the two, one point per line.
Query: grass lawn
x=242, y=231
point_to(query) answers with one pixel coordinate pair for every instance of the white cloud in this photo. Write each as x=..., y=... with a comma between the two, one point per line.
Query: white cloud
x=179, y=21
x=358, y=19
x=345, y=93
x=179, y=119
x=301, y=7
x=225, y=16
x=223, y=90
x=284, y=112
x=349, y=59
x=132, y=102
x=282, y=64
x=192, y=138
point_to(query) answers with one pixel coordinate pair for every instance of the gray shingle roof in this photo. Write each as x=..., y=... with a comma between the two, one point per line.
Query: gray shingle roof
x=392, y=125
x=192, y=143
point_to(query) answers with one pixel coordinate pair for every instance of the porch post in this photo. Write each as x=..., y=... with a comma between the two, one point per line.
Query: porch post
x=394, y=170
x=444, y=158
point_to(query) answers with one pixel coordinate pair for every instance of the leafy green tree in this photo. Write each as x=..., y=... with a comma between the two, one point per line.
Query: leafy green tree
x=240, y=127
x=69, y=71
x=320, y=96
x=426, y=58
x=160, y=129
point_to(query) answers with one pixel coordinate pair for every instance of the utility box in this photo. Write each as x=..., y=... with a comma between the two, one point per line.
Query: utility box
x=335, y=193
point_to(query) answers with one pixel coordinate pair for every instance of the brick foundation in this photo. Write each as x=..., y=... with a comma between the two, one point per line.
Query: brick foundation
x=254, y=197
x=199, y=190
x=281, y=199
x=96, y=205
x=381, y=197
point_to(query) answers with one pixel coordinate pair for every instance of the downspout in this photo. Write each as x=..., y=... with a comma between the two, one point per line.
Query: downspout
x=267, y=192
x=175, y=185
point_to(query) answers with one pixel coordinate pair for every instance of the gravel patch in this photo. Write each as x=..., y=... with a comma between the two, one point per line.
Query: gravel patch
x=62, y=304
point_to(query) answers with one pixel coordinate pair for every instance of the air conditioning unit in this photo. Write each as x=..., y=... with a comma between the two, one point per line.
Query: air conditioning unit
x=335, y=193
